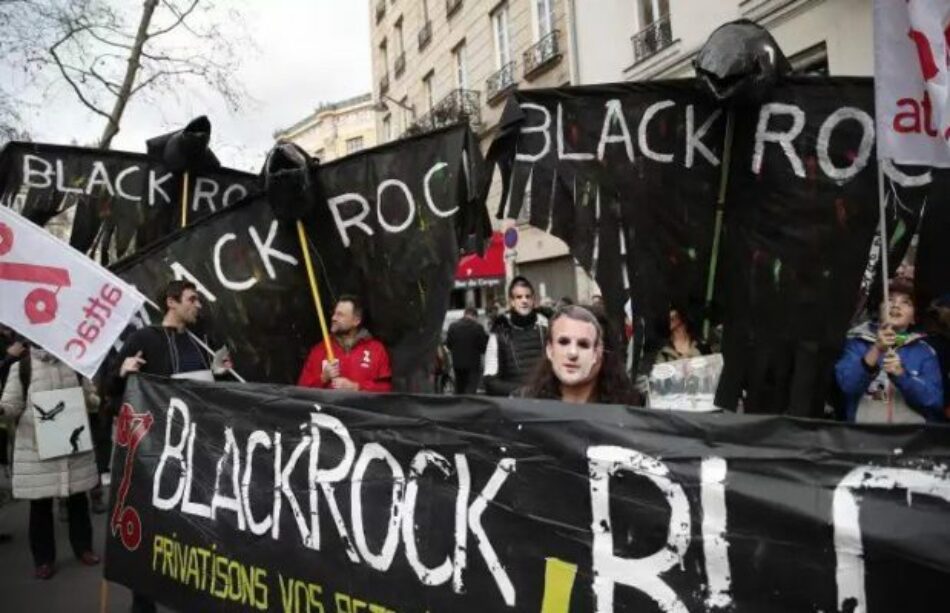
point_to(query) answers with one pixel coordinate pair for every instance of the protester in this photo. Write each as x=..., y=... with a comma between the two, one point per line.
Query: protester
x=684, y=339
x=888, y=373
x=516, y=344
x=360, y=361
x=467, y=341
x=167, y=350
x=11, y=348
x=38, y=480
x=580, y=367
x=938, y=330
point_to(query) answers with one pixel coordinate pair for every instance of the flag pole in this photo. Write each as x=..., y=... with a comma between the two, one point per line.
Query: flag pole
x=720, y=205
x=104, y=597
x=882, y=208
x=302, y=235
x=184, y=199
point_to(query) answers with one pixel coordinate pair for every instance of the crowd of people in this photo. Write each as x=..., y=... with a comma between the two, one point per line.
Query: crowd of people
x=891, y=370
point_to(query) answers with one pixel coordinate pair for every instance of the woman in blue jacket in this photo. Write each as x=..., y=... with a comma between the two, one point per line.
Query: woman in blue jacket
x=888, y=373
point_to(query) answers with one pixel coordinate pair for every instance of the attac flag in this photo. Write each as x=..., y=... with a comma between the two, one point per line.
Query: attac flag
x=124, y=201
x=272, y=498
x=912, y=80
x=58, y=298
x=389, y=230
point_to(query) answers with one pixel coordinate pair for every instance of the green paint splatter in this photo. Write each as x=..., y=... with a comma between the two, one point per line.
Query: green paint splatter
x=899, y=233
x=691, y=253
x=776, y=271
x=422, y=293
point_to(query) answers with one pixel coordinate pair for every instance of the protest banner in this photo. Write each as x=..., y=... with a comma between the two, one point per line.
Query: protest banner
x=124, y=201
x=58, y=298
x=390, y=230
x=628, y=176
x=259, y=497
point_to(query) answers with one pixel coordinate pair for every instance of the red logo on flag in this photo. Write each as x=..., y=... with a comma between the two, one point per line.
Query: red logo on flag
x=40, y=304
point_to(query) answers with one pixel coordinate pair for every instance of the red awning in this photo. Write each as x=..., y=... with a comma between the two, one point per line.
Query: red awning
x=487, y=271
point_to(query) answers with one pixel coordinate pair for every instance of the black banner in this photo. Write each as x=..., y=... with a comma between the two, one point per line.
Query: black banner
x=252, y=497
x=636, y=178
x=124, y=201
x=399, y=257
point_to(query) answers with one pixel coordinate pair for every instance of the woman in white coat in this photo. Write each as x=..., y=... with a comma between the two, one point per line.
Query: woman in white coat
x=39, y=481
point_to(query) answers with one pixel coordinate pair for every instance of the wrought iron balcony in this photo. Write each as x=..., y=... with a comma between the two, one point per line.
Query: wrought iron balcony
x=652, y=39
x=500, y=82
x=459, y=105
x=425, y=35
x=451, y=6
x=384, y=84
x=400, y=66
x=542, y=54
x=380, y=10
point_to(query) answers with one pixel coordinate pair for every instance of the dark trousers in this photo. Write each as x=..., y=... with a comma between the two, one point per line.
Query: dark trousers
x=141, y=604
x=42, y=535
x=466, y=381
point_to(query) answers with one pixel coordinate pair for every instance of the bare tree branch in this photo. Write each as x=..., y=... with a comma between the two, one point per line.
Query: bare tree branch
x=179, y=21
x=62, y=69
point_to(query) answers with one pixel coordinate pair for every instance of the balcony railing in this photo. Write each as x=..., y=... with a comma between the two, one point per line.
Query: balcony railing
x=451, y=6
x=384, y=84
x=380, y=10
x=459, y=105
x=652, y=39
x=425, y=35
x=400, y=66
x=500, y=82
x=542, y=54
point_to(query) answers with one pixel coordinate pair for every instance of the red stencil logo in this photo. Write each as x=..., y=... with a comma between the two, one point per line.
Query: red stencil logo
x=40, y=304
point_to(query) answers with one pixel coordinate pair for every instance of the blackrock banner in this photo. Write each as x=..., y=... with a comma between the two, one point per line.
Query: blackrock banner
x=389, y=230
x=123, y=201
x=251, y=497
x=637, y=177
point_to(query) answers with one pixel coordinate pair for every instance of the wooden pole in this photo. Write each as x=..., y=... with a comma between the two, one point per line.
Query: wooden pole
x=184, y=199
x=104, y=597
x=302, y=235
x=720, y=206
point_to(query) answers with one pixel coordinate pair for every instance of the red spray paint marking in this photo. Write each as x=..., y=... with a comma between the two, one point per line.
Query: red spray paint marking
x=130, y=430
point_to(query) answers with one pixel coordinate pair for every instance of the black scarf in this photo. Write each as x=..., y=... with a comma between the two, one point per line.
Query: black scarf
x=523, y=321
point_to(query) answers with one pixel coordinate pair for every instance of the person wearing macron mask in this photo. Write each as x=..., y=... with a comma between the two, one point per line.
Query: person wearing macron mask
x=579, y=367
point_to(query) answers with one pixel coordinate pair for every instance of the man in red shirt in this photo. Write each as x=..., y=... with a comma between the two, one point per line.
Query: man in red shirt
x=361, y=363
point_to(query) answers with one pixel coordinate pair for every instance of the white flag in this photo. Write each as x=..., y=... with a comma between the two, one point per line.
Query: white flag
x=58, y=298
x=912, y=80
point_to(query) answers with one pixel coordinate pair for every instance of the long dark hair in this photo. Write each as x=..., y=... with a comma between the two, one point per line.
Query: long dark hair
x=612, y=386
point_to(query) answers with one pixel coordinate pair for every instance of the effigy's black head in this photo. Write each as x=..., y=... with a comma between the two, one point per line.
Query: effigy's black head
x=740, y=63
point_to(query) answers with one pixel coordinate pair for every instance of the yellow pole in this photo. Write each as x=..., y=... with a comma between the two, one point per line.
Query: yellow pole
x=104, y=597
x=184, y=199
x=302, y=235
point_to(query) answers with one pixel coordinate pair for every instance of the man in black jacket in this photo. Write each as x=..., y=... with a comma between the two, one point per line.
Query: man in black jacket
x=167, y=350
x=467, y=340
x=516, y=345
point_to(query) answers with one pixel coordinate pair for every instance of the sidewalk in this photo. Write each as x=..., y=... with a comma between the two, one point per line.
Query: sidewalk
x=75, y=588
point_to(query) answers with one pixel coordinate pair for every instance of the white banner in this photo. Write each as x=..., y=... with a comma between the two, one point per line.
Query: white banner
x=58, y=298
x=912, y=80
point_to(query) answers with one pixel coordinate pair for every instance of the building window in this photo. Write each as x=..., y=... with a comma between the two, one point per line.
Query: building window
x=499, y=20
x=427, y=90
x=543, y=18
x=812, y=61
x=400, y=66
x=407, y=113
x=354, y=144
x=461, y=69
x=387, y=129
x=655, y=32
x=425, y=32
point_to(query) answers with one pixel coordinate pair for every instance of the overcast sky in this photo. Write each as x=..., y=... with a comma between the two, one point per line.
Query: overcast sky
x=308, y=51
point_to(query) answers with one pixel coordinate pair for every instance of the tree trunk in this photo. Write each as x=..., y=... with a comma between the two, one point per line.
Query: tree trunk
x=112, y=128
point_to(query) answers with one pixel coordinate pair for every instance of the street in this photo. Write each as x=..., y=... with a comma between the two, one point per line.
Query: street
x=74, y=588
